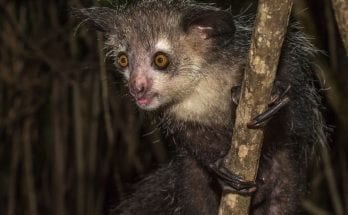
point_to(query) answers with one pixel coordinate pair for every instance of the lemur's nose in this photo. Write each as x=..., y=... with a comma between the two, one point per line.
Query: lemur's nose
x=138, y=86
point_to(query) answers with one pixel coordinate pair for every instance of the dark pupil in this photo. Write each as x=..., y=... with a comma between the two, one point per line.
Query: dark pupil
x=160, y=60
x=123, y=60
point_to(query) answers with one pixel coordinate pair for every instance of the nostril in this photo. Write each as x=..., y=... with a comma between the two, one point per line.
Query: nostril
x=139, y=85
x=137, y=89
x=140, y=88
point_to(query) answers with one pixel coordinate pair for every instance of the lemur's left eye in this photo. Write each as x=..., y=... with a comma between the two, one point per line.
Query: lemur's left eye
x=122, y=60
x=161, y=60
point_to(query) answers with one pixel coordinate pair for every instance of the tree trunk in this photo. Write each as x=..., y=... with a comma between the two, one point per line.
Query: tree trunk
x=270, y=28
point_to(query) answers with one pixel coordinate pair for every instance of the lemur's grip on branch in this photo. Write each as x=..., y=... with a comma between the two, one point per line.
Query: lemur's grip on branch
x=181, y=59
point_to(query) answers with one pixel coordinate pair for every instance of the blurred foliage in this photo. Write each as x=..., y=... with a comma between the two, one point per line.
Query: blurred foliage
x=71, y=140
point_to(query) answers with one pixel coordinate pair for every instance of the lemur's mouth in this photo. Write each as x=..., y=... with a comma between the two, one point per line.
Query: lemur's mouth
x=148, y=101
x=144, y=101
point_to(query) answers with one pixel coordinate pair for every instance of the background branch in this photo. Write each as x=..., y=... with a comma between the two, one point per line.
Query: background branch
x=341, y=14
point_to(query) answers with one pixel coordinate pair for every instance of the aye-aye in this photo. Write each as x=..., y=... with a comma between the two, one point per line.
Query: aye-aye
x=185, y=60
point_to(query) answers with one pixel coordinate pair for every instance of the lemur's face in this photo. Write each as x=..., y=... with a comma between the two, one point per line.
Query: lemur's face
x=161, y=73
x=161, y=48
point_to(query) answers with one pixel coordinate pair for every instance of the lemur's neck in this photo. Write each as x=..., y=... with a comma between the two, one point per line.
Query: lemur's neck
x=210, y=103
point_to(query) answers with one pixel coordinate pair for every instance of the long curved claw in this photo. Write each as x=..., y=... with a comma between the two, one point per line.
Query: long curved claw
x=262, y=119
x=278, y=96
x=231, y=182
x=278, y=101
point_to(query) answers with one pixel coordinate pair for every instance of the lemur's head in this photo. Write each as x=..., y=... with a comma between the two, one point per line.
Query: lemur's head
x=163, y=48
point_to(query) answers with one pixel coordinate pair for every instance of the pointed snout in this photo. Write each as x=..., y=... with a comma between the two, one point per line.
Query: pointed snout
x=139, y=85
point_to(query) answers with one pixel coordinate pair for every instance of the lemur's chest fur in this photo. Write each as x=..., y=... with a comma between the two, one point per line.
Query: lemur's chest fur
x=210, y=102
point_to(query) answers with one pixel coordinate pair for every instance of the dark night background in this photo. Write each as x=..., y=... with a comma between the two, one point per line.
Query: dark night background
x=71, y=142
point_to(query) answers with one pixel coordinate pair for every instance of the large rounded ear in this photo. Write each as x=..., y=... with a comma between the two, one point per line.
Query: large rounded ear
x=208, y=23
x=98, y=18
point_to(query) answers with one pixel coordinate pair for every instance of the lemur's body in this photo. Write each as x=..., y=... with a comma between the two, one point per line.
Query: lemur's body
x=182, y=59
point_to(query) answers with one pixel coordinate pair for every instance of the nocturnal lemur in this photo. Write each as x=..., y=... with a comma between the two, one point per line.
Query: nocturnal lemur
x=181, y=59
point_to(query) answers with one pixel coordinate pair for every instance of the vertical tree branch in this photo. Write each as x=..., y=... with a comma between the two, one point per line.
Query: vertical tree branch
x=270, y=28
x=330, y=177
x=93, y=145
x=28, y=168
x=105, y=94
x=13, y=178
x=80, y=167
x=341, y=14
x=58, y=148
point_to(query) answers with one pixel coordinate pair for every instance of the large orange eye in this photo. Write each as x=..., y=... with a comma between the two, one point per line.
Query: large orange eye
x=122, y=60
x=161, y=60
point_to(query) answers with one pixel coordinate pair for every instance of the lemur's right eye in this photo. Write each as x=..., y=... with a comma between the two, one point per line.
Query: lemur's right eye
x=161, y=60
x=122, y=60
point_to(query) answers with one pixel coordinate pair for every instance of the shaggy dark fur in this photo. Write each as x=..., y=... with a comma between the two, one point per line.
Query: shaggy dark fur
x=186, y=185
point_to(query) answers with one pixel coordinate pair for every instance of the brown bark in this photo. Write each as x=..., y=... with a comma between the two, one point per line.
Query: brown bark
x=341, y=14
x=270, y=28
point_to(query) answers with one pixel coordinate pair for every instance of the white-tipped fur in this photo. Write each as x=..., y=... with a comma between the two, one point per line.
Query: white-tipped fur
x=163, y=45
x=210, y=102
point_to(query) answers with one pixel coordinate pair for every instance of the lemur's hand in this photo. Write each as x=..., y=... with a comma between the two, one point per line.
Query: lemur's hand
x=232, y=182
x=278, y=100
